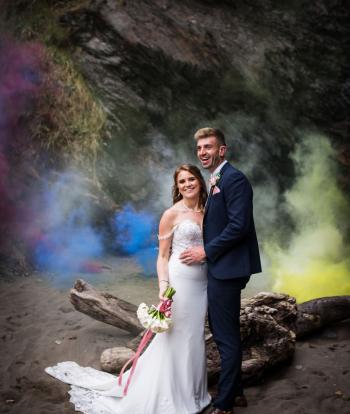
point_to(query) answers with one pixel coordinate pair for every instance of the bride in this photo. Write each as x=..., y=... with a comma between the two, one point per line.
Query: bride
x=170, y=376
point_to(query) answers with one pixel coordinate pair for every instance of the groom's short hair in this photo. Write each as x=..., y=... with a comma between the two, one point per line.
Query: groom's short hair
x=210, y=132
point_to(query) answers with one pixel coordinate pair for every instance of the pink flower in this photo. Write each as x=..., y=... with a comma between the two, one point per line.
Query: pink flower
x=214, y=179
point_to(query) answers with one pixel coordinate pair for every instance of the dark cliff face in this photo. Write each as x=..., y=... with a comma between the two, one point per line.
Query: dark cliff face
x=267, y=72
x=164, y=68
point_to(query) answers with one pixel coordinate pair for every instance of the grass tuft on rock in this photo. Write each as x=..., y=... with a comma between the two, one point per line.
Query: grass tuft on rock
x=67, y=124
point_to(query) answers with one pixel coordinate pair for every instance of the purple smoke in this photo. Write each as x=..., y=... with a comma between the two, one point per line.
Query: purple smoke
x=21, y=65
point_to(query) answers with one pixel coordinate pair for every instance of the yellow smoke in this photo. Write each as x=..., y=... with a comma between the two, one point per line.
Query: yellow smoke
x=316, y=262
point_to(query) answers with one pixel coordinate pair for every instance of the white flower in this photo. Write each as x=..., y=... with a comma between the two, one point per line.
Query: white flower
x=152, y=318
x=160, y=325
x=144, y=317
x=169, y=322
x=156, y=326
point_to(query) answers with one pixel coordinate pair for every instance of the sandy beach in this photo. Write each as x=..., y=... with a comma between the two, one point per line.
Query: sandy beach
x=39, y=327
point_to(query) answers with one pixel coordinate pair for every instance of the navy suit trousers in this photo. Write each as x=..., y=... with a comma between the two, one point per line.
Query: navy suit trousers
x=224, y=303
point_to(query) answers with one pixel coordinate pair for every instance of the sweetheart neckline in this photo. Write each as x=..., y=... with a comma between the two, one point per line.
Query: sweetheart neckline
x=175, y=226
x=192, y=221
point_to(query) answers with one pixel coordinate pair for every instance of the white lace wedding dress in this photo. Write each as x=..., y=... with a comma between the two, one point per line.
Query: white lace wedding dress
x=170, y=377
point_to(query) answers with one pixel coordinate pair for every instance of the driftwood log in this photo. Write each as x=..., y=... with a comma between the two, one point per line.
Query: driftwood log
x=318, y=313
x=104, y=307
x=270, y=325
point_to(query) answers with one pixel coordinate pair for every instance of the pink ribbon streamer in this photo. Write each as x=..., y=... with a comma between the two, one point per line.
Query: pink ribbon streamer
x=144, y=341
x=165, y=307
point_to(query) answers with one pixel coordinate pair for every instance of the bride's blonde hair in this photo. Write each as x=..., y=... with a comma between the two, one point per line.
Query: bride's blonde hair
x=192, y=169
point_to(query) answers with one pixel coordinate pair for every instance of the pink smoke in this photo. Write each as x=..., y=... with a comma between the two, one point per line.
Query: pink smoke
x=21, y=69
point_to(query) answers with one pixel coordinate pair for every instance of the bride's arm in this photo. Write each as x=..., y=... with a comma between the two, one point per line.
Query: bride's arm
x=165, y=236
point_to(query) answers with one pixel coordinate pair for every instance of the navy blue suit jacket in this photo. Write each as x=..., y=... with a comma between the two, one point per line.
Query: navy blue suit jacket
x=230, y=241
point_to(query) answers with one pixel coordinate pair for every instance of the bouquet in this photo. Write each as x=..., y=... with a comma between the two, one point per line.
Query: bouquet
x=157, y=318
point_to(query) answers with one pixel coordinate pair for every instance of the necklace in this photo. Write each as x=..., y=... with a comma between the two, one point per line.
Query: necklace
x=189, y=208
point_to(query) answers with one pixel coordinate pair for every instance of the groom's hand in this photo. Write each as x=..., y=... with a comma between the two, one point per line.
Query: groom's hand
x=193, y=255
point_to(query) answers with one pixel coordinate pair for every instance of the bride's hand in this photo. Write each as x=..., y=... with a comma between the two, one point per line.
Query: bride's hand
x=161, y=295
x=163, y=285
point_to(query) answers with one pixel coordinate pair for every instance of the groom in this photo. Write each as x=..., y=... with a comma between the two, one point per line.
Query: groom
x=232, y=254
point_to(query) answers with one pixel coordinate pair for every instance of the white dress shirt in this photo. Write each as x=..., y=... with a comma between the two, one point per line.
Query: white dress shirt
x=218, y=169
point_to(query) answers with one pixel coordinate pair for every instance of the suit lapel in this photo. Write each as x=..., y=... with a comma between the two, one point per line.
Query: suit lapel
x=208, y=199
x=222, y=171
x=224, y=168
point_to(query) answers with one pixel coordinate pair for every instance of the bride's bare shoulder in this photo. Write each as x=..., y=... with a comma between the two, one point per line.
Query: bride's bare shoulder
x=171, y=214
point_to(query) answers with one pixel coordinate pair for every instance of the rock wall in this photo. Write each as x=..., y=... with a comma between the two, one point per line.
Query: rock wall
x=164, y=68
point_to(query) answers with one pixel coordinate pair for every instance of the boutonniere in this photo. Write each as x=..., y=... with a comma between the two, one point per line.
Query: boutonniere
x=213, y=181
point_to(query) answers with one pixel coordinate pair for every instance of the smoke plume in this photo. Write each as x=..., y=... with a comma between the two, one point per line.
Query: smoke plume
x=316, y=261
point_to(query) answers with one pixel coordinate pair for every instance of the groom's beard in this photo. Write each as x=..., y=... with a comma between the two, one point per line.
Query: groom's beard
x=216, y=160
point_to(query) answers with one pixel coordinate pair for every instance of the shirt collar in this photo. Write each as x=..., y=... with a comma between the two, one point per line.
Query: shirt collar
x=218, y=168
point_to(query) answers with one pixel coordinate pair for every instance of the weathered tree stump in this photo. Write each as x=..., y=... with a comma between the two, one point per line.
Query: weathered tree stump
x=267, y=332
x=270, y=324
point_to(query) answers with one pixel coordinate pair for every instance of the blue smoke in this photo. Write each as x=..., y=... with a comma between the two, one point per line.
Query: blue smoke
x=67, y=239
x=135, y=235
x=65, y=249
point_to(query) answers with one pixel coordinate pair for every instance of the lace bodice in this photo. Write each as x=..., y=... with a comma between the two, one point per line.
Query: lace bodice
x=187, y=233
